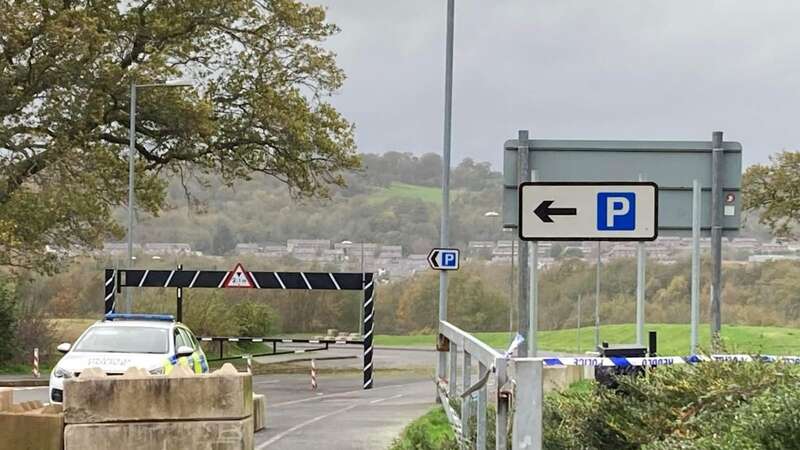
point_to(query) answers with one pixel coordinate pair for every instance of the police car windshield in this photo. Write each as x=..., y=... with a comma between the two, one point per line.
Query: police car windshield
x=124, y=340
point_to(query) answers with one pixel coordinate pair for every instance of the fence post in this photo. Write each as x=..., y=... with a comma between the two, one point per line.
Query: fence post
x=36, y=362
x=527, y=430
x=453, y=371
x=480, y=440
x=466, y=375
x=503, y=401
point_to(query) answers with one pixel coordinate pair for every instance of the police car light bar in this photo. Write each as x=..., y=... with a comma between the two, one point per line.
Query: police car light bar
x=161, y=317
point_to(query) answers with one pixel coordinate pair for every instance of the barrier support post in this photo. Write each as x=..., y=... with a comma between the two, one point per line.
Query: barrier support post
x=369, y=327
x=527, y=431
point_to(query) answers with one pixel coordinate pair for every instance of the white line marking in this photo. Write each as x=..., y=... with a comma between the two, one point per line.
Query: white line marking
x=334, y=281
x=196, y=274
x=206, y=339
x=222, y=282
x=303, y=424
x=283, y=286
x=384, y=399
x=110, y=280
x=233, y=339
x=368, y=302
x=252, y=277
x=369, y=317
x=170, y=278
x=306, y=280
x=144, y=277
x=341, y=394
x=369, y=285
x=258, y=339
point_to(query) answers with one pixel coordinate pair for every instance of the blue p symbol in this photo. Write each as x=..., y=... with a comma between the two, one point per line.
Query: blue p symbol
x=448, y=259
x=616, y=211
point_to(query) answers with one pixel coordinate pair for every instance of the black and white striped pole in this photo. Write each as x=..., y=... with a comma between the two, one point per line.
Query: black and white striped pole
x=369, y=327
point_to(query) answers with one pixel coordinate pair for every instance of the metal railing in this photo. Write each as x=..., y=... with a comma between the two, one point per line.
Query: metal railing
x=518, y=384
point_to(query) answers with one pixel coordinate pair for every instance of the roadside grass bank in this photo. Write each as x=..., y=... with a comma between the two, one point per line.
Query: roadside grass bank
x=707, y=406
x=673, y=339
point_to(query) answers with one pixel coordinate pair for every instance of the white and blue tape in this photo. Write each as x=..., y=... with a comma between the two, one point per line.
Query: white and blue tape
x=619, y=361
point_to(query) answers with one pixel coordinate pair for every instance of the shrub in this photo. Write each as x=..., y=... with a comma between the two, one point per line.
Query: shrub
x=707, y=406
x=8, y=324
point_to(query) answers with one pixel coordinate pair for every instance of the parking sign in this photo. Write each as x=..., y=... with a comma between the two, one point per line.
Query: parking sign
x=578, y=211
x=444, y=258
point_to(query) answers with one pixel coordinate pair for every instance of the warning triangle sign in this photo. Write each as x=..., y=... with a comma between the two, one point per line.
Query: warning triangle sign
x=238, y=278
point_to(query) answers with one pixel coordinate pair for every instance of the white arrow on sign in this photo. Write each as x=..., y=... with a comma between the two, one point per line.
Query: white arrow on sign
x=586, y=211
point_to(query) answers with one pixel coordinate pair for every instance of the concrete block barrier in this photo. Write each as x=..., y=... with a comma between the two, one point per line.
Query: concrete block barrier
x=29, y=425
x=559, y=378
x=135, y=397
x=175, y=435
x=259, y=412
x=6, y=398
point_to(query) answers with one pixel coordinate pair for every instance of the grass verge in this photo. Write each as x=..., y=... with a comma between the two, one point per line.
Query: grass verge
x=673, y=339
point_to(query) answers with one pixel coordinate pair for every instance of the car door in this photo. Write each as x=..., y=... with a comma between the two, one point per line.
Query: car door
x=198, y=354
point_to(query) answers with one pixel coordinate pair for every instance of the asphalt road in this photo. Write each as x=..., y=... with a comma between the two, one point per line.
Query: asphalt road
x=339, y=414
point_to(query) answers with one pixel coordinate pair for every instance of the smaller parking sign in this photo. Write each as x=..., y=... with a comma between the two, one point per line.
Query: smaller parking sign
x=444, y=258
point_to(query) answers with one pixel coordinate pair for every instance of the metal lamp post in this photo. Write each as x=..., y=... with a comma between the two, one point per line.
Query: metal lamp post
x=131, y=158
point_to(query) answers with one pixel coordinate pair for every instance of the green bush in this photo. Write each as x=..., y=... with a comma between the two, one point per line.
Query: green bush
x=707, y=406
x=8, y=324
x=430, y=432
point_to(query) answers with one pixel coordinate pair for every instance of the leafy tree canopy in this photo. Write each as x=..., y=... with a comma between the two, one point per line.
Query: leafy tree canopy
x=257, y=105
x=773, y=191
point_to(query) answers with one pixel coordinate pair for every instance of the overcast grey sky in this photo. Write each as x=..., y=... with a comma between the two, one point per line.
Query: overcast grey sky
x=611, y=69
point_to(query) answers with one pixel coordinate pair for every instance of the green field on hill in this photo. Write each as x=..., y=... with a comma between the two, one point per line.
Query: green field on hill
x=673, y=339
x=403, y=190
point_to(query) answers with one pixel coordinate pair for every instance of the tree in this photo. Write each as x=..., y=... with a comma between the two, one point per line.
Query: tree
x=7, y=323
x=259, y=106
x=772, y=191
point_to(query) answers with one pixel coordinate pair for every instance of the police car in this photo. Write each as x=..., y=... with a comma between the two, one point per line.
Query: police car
x=120, y=341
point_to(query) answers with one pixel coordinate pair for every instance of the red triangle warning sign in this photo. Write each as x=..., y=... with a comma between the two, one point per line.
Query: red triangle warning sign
x=238, y=278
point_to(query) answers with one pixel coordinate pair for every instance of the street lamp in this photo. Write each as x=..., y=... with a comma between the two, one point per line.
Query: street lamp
x=131, y=157
x=493, y=214
x=363, y=282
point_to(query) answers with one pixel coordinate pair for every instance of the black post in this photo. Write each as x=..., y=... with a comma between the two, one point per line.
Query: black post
x=369, y=324
x=652, y=343
x=221, y=353
x=110, y=276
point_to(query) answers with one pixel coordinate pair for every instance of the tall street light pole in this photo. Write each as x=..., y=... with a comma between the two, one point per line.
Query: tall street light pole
x=448, y=111
x=131, y=166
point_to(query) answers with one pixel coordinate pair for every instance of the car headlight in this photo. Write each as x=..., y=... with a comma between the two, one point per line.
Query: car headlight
x=157, y=371
x=61, y=373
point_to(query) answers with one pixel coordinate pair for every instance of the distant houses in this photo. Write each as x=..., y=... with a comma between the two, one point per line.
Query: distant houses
x=391, y=259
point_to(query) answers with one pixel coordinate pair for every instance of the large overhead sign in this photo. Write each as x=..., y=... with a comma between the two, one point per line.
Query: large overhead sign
x=672, y=165
x=558, y=211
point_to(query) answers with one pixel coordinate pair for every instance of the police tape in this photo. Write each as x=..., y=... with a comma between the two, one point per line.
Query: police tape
x=652, y=361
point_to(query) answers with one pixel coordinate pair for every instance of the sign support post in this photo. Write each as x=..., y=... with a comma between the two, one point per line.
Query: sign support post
x=641, y=260
x=523, y=308
x=716, y=237
x=533, y=289
x=597, y=300
x=441, y=367
x=695, y=265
